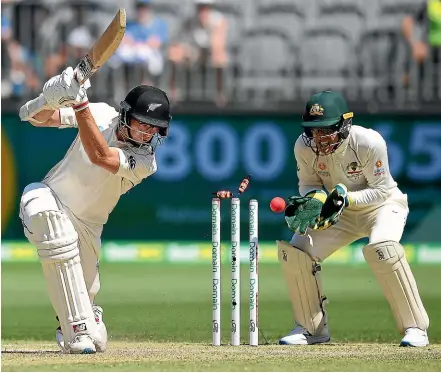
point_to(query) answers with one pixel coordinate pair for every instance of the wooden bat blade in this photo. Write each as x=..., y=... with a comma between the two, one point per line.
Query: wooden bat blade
x=104, y=48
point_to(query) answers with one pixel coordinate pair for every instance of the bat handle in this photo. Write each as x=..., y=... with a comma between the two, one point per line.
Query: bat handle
x=33, y=107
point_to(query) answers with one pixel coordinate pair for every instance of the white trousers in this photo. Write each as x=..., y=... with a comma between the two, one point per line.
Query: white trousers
x=385, y=223
x=90, y=246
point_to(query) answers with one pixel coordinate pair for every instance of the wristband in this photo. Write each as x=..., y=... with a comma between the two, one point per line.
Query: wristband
x=82, y=106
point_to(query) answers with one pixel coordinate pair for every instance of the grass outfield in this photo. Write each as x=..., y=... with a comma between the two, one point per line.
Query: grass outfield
x=159, y=318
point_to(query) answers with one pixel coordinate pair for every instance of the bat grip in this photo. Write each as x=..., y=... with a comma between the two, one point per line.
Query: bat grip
x=33, y=107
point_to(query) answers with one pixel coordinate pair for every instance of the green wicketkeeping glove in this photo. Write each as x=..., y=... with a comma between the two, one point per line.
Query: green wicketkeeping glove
x=333, y=207
x=303, y=212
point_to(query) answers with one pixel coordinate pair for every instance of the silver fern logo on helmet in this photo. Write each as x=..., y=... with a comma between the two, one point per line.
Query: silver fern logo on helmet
x=153, y=107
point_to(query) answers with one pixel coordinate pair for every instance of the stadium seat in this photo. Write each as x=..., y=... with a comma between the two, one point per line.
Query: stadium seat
x=289, y=17
x=392, y=12
x=326, y=59
x=265, y=65
x=349, y=15
x=380, y=62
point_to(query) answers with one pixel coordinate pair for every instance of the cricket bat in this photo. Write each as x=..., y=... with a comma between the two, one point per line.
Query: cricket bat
x=97, y=56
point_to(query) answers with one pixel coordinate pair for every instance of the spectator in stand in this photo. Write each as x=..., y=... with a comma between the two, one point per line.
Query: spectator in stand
x=79, y=42
x=143, y=44
x=77, y=28
x=428, y=47
x=202, y=44
x=17, y=74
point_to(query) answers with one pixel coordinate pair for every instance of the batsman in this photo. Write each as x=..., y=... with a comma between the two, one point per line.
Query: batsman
x=63, y=215
x=350, y=163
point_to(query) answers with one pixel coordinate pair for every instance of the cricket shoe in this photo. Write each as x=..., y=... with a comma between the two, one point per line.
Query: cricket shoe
x=301, y=336
x=82, y=344
x=415, y=337
x=100, y=344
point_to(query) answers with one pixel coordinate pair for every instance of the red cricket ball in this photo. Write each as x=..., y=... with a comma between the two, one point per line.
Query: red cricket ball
x=277, y=204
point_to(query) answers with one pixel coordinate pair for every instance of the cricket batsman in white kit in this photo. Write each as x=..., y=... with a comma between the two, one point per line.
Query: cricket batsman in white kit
x=64, y=215
x=364, y=201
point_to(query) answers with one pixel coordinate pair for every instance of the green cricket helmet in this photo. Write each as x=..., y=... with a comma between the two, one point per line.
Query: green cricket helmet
x=327, y=115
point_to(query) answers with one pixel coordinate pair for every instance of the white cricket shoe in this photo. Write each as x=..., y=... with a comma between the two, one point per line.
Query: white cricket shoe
x=300, y=336
x=100, y=344
x=82, y=344
x=60, y=339
x=415, y=337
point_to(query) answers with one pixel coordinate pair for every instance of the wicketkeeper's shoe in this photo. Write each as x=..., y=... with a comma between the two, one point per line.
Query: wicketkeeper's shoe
x=300, y=336
x=100, y=344
x=415, y=337
x=82, y=344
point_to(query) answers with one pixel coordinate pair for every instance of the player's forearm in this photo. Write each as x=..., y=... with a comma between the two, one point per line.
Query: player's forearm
x=407, y=28
x=46, y=118
x=92, y=139
x=218, y=42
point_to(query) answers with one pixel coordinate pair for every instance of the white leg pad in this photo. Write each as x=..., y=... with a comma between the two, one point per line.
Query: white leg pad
x=304, y=286
x=51, y=231
x=68, y=294
x=388, y=262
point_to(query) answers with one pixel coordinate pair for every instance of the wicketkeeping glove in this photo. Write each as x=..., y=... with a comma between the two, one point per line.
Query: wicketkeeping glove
x=303, y=212
x=63, y=91
x=333, y=207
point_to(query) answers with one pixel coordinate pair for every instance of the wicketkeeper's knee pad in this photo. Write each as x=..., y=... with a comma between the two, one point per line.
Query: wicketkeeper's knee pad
x=302, y=279
x=389, y=264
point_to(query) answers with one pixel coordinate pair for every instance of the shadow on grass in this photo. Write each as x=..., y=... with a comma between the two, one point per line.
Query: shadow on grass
x=30, y=352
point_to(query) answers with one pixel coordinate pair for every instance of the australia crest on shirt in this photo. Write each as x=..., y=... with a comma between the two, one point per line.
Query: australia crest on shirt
x=353, y=170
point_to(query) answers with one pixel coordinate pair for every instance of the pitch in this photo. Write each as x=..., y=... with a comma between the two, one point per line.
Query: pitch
x=154, y=356
x=159, y=319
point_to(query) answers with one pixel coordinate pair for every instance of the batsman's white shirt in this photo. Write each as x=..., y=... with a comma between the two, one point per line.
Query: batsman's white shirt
x=90, y=192
x=378, y=209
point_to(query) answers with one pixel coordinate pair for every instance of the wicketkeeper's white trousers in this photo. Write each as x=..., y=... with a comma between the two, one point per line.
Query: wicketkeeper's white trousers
x=384, y=223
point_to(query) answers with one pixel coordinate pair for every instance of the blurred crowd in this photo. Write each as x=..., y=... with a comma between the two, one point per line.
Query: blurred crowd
x=232, y=51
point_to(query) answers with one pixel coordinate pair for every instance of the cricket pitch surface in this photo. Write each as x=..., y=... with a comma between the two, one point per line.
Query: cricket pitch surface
x=157, y=356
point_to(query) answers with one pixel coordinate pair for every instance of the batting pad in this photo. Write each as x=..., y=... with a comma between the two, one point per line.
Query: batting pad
x=302, y=279
x=52, y=232
x=388, y=262
x=68, y=294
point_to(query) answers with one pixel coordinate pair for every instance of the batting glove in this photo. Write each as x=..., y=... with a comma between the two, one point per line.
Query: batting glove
x=64, y=91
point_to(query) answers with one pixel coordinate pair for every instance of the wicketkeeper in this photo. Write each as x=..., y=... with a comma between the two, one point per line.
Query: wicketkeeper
x=64, y=215
x=351, y=163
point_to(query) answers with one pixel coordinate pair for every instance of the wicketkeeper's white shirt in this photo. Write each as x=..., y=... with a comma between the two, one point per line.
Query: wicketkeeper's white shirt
x=89, y=191
x=360, y=162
